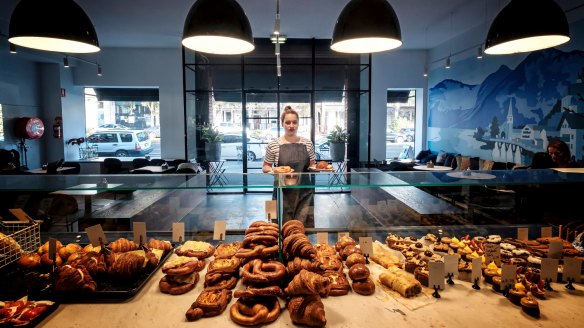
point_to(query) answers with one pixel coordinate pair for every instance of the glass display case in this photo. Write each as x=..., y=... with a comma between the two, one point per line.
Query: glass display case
x=363, y=203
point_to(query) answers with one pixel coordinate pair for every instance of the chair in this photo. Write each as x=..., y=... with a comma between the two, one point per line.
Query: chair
x=76, y=170
x=187, y=168
x=140, y=162
x=157, y=162
x=53, y=166
x=141, y=171
x=114, y=166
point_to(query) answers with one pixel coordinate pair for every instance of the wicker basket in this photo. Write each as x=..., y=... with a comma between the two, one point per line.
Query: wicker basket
x=19, y=238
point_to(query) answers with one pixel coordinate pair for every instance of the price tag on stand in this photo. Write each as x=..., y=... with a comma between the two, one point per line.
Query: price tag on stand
x=366, y=245
x=477, y=271
x=219, y=230
x=508, y=275
x=549, y=269
x=451, y=264
x=555, y=250
x=493, y=254
x=523, y=233
x=341, y=234
x=178, y=232
x=96, y=235
x=322, y=237
x=20, y=215
x=139, y=232
x=546, y=232
x=52, y=248
x=271, y=209
x=436, y=275
x=572, y=269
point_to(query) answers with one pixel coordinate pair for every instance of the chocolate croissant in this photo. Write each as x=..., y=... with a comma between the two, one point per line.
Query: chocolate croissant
x=307, y=310
x=123, y=245
x=308, y=283
x=298, y=245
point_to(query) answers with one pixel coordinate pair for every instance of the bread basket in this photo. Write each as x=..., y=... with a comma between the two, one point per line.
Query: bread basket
x=17, y=238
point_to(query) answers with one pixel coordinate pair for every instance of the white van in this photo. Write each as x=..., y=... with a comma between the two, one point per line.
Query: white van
x=121, y=143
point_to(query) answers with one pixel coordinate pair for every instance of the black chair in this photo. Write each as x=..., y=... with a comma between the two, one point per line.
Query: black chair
x=53, y=166
x=140, y=162
x=157, y=162
x=114, y=166
x=76, y=170
x=185, y=170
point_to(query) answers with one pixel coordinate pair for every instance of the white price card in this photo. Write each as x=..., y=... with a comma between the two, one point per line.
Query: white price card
x=219, y=230
x=20, y=215
x=436, y=275
x=555, y=250
x=451, y=264
x=322, y=237
x=139, y=229
x=342, y=234
x=493, y=253
x=477, y=271
x=522, y=233
x=366, y=245
x=271, y=209
x=96, y=235
x=549, y=269
x=572, y=269
x=546, y=232
x=178, y=232
x=52, y=248
x=508, y=275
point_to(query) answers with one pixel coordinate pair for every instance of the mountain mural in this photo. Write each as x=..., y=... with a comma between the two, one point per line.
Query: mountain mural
x=536, y=85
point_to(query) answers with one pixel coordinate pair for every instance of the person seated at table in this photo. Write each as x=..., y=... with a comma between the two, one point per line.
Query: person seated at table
x=560, y=154
x=541, y=160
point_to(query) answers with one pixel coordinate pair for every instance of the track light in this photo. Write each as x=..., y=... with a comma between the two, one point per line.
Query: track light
x=447, y=63
x=66, y=62
x=99, y=72
x=13, y=48
x=425, y=74
x=280, y=38
x=480, y=53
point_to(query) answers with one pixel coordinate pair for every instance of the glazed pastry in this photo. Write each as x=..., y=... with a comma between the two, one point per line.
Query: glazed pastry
x=66, y=251
x=359, y=272
x=91, y=248
x=515, y=296
x=211, y=302
x=330, y=263
x=339, y=283
x=355, y=258
x=401, y=282
x=258, y=271
x=198, y=249
x=45, y=247
x=178, y=285
x=497, y=284
x=364, y=287
x=422, y=275
x=307, y=310
x=493, y=239
x=308, y=283
x=126, y=266
x=344, y=242
x=93, y=262
x=225, y=251
x=30, y=260
x=530, y=306
x=46, y=261
x=507, y=246
x=351, y=249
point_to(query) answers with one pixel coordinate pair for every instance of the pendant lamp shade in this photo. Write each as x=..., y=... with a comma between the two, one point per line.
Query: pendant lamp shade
x=527, y=25
x=366, y=26
x=52, y=25
x=218, y=27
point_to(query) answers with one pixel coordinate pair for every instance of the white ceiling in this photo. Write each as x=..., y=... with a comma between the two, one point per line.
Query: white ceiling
x=159, y=23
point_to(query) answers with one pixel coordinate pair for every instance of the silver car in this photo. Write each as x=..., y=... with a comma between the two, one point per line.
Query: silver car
x=232, y=148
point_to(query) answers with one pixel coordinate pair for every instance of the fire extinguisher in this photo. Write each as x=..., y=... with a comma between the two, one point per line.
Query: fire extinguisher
x=58, y=127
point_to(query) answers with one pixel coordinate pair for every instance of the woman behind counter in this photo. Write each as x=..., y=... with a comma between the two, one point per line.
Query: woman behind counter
x=298, y=153
x=560, y=154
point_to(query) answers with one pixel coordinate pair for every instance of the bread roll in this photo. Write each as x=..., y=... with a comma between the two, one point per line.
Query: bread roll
x=359, y=272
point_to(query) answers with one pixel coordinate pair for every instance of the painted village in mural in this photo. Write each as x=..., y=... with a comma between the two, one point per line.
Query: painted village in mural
x=514, y=112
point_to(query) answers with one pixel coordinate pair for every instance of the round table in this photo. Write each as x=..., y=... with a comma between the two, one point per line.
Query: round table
x=435, y=168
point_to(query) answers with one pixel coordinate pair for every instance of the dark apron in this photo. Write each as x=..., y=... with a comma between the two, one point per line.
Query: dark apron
x=298, y=203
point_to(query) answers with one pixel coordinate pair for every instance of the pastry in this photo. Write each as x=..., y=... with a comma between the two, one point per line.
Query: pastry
x=431, y=238
x=121, y=245
x=400, y=281
x=225, y=251
x=339, y=283
x=322, y=165
x=359, y=272
x=220, y=280
x=45, y=247
x=422, y=275
x=493, y=239
x=262, y=227
x=180, y=284
x=259, y=291
x=355, y=258
x=298, y=245
x=193, y=248
x=343, y=242
x=384, y=257
x=497, y=284
x=209, y=303
x=325, y=249
x=70, y=279
x=182, y=265
x=307, y=310
x=515, y=295
x=296, y=265
x=92, y=261
x=534, y=261
x=30, y=260
x=530, y=306
x=282, y=169
x=292, y=227
x=91, y=248
x=308, y=283
x=507, y=246
x=66, y=251
x=253, y=312
x=364, y=287
x=163, y=245
x=230, y=265
x=126, y=266
x=258, y=271
x=331, y=262
x=46, y=261
x=9, y=246
x=351, y=249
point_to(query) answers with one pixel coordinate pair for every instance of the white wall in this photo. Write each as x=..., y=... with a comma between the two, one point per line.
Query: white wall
x=132, y=67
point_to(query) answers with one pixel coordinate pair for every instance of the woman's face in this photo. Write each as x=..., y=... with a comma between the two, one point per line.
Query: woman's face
x=290, y=124
x=557, y=156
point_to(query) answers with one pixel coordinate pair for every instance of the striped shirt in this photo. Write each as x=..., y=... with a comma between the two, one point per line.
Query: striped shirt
x=273, y=150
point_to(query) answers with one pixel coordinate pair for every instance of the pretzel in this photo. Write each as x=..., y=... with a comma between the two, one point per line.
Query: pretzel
x=274, y=233
x=263, y=291
x=258, y=271
x=248, y=241
x=261, y=229
x=258, y=251
x=263, y=224
x=255, y=314
x=223, y=283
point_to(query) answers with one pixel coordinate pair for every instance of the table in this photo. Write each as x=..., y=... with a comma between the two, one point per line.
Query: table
x=435, y=168
x=338, y=175
x=471, y=175
x=44, y=171
x=155, y=169
x=84, y=190
x=216, y=174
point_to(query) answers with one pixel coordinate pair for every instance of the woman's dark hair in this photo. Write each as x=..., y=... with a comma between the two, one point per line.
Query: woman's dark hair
x=542, y=160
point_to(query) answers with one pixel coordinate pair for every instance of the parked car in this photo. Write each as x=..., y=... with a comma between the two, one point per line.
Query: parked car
x=231, y=143
x=121, y=143
x=392, y=136
x=272, y=133
x=408, y=134
x=228, y=127
x=112, y=127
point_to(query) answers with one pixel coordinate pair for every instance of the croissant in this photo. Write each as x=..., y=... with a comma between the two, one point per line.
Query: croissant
x=127, y=266
x=163, y=245
x=123, y=245
x=308, y=283
x=292, y=227
x=298, y=245
x=299, y=263
x=307, y=310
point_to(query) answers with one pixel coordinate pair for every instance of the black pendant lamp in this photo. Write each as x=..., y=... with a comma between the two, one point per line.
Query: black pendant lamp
x=527, y=25
x=52, y=25
x=366, y=26
x=218, y=27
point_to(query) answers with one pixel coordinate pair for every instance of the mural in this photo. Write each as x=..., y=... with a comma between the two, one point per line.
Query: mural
x=513, y=112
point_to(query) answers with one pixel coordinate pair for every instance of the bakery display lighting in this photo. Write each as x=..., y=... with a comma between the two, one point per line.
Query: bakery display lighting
x=218, y=27
x=366, y=26
x=525, y=25
x=58, y=25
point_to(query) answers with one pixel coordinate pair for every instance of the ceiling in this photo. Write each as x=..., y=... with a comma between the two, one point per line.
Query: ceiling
x=159, y=23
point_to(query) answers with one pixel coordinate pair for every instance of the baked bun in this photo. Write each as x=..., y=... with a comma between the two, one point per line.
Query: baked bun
x=282, y=169
x=90, y=248
x=359, y=272
x=9, y=246
x=354, y=258
x=45, y=248
x=322, y=165
x=46, y=261
x=364, y=287
x=66, y=251
x=30, y=260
